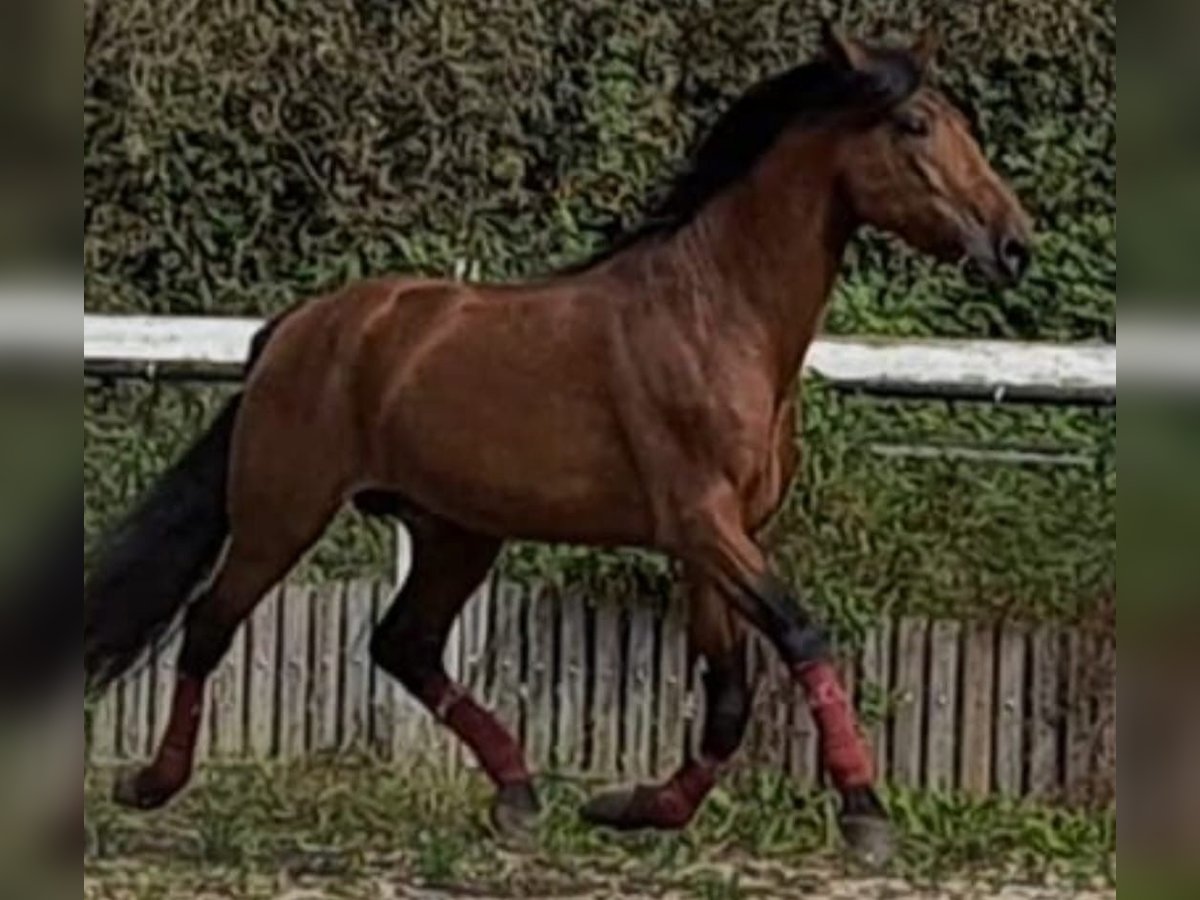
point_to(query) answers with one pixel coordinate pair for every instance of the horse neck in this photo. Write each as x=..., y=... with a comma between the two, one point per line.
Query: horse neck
x=769, y=250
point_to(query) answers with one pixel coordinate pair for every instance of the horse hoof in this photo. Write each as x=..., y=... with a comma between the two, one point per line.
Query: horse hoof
x=871, y=840
x=635, y=809
x=515, y=813
x=610, y=810
x=135, y=789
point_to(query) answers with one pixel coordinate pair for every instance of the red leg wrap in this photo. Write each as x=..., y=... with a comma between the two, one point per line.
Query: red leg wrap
x=675, y=803
x=843, y=749
x=153, y=786
x=667, y=807
x=172, y=764
x=499, y=755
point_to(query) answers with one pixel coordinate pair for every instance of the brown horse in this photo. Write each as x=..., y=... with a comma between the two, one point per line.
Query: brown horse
x=646, y=398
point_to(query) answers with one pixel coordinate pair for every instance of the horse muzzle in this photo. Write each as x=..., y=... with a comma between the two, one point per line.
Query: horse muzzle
x=1003, y=258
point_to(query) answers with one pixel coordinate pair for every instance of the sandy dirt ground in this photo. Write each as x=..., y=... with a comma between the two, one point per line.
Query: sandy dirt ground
x=766, y=881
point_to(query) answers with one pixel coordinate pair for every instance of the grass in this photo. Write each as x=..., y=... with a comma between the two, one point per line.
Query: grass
x=250, y=832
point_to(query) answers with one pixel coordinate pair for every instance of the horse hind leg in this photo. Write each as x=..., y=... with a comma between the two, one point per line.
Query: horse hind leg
x=449, y=565
x=274, y=519
x=720, y=639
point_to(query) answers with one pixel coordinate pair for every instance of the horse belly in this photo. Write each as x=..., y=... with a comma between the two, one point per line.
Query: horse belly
x=519, y=474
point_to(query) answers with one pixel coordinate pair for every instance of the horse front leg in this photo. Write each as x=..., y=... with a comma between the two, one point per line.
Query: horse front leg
x=719, y=543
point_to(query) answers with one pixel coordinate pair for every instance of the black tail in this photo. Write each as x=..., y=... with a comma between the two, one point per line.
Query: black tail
x=151, y=565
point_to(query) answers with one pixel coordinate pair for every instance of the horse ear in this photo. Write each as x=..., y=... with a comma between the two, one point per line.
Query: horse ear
x=843, y=50
x=925, y=50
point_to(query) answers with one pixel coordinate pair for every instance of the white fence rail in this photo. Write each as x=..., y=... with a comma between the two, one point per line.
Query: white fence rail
x=133, y=346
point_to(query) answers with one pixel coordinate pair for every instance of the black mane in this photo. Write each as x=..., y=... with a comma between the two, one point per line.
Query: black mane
x=806, y=96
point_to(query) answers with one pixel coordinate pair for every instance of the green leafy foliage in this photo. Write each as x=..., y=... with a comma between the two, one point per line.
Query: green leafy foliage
x=238, y=156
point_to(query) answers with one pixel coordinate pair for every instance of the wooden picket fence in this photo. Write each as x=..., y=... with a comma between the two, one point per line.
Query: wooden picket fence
x=604, y=692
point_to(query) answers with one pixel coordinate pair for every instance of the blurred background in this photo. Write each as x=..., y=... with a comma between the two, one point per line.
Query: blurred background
x=41, y=295
x=1160, y=287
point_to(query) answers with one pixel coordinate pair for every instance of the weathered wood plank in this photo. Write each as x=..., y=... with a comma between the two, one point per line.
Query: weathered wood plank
x=264, y=672
x=135, y=714
x=477, y=630
x=1081, y=745
x=229, y=701
x=507, y=687
x=606, y=703
x=979, y=686
x=572, y=696
x=943, y=709
x=1105, y=771
x=356, y=665
x=1010, y=717
x=1046, y=713
x=325, y=711
x=907, y=736
x=102, y=745
x=296, y=610
x=542, y=624
x=875, y=692
x=639, y=697
x=673, y=689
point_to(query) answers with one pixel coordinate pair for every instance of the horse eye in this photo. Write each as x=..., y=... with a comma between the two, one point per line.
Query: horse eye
x=913, y=126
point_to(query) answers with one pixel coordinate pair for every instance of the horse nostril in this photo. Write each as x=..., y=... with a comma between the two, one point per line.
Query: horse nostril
x=1015, y=257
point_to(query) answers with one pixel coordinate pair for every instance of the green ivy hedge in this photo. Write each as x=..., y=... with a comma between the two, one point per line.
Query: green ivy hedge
x=239, y=155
